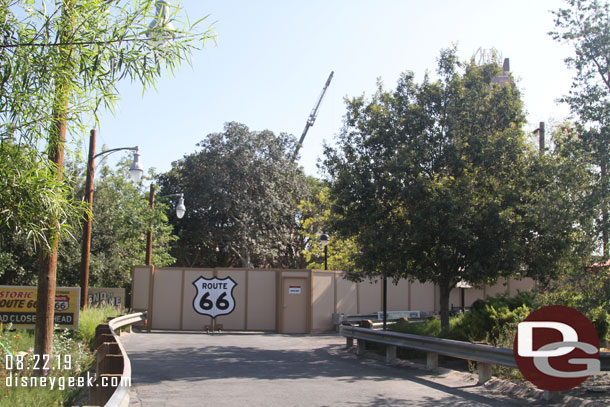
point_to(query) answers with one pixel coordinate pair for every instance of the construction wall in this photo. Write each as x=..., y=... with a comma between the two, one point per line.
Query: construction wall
x=263, y=298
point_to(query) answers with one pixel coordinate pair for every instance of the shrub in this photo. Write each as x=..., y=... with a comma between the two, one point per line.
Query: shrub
x=487, y=320
x=22, y=341
x=601, y=320
x=90, y=318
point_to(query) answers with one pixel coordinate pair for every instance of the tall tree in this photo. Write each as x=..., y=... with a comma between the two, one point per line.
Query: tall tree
x=432, y=181
x=316, y=218
x=242, y=190
x=121, y=218
x=585, y=25
x=58, y=65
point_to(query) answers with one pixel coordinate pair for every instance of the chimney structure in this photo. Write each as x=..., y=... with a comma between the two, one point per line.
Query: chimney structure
x=540, y=131
x=504, y=78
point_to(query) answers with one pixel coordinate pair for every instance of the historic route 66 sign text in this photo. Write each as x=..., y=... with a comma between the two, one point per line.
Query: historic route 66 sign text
x=214, y=296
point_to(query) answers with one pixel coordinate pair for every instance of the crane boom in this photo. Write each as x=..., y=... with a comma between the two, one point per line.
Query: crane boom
x=312, y=117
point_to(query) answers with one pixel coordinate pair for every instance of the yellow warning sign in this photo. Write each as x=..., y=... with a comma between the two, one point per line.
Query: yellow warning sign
x=18, y=306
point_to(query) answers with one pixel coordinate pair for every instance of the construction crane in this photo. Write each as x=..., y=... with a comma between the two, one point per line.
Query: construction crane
x=312, y=117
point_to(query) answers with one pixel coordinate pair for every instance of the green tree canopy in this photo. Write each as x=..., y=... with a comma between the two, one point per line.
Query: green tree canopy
x=242, y=190
x=317, y=219
x=103, y=43
x=435, y=181
x=121, y=218
x=585, y=25
x=59, y=63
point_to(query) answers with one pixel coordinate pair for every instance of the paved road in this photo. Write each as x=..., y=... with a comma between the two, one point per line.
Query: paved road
x=246, y=369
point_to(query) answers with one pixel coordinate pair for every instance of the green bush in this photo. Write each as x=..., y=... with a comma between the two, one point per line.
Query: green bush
x=90, y=318
x=22, y=341
x=430, y=327
x=601, y=320
x=487, y=320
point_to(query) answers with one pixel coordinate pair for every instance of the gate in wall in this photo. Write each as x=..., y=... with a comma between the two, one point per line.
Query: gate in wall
x=277, y=300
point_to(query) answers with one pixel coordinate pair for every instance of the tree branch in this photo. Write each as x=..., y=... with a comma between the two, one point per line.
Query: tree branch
x=61, y=44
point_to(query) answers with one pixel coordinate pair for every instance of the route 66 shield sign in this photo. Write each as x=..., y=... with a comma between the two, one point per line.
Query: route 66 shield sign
x=214, y=296
x=62, y=302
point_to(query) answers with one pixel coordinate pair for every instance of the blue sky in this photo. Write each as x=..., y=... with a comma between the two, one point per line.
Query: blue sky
x=273, y=57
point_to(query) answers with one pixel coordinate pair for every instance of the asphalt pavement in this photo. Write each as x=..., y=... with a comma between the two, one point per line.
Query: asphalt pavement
x=260, y=369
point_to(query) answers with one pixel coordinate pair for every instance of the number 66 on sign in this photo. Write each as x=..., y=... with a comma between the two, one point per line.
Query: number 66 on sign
x=214, y=296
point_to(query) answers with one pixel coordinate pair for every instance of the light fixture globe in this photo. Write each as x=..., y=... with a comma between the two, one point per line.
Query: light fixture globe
x=180, y=208
x=324, y=239
x=136, y=170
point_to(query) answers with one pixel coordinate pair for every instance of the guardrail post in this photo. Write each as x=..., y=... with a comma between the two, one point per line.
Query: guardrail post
x=349, y=343
x=484, y=372
x=361, y=347
x=431, y=361
x=108, y=362
x=390, y=354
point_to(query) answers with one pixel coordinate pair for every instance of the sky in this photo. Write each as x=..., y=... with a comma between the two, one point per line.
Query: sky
x=272, y=58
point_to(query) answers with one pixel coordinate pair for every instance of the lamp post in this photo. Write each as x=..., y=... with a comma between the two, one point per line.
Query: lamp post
x=385, y=301
x=324, y=241
x=135, y=172
x=180, y=211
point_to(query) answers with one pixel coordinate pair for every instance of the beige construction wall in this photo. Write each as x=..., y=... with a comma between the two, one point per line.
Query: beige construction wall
x=347, y=296
x=168, y=294
x=323, y=301
x=369, y=297
x=398, y=295
x=262, y=300
x=167, y=288
x=423, y=297
x=140, y=278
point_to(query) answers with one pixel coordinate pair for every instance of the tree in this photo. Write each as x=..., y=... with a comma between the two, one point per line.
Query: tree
x=242, y=190
x=121, y=218
x=586, y=26
x=316, y=219
x=30, y=195
x=59, y=64
x=433, y=181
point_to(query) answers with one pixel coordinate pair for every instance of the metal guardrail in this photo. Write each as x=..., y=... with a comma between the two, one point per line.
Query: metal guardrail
x=111, y=355
x=120, y=397
x=378, y=316
x=484, y=354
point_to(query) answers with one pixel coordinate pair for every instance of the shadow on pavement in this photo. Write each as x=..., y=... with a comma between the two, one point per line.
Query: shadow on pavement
x=217, y=362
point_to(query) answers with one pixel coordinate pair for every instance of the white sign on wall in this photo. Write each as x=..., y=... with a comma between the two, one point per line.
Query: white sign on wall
x=214, y=296
x=294, y=289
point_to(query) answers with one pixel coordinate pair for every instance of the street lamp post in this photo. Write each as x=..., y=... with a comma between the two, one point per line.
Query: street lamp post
x=135, y=172
x=324, y=241
x=180, y=211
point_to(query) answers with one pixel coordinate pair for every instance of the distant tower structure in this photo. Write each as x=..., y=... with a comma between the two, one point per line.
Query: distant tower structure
x=484, y=56
x=504, y=78
x=492, y=56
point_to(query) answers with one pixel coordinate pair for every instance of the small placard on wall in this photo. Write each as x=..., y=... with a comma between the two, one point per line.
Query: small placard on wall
x=294, y=289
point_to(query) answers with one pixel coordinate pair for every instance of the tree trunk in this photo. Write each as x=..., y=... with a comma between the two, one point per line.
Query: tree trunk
x=445, y=288
x=244, y=255
x=604, y=209
x=47, y=275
